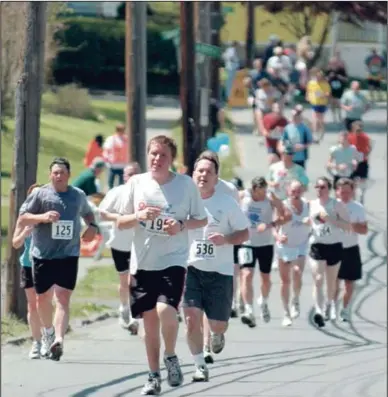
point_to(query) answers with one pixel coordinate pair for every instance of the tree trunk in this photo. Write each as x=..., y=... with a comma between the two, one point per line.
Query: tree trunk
x=318, y=52
x=250, y=38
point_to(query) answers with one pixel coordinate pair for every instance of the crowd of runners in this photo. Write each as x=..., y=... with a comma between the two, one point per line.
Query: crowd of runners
x=190, y=244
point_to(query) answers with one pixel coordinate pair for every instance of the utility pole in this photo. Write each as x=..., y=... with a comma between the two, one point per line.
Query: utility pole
x=140, y=81
x=250, y=40
x=26, y=143
x=204, y=92
x=187, y=84
x=129, y=72
x=215, y=63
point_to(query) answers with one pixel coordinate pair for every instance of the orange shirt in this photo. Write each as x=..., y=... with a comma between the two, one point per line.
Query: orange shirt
x=361, y=141
x=92, y=152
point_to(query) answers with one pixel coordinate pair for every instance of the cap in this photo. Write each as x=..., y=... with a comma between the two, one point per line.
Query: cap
x=98, y=162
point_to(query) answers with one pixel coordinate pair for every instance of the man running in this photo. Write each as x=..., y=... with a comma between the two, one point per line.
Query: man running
x=209, y=280
x=120, y=244
x=161, y=206
x=328, y=218
x=259, y=210
x=55, y=210
x=351, y=265
x=291, y=249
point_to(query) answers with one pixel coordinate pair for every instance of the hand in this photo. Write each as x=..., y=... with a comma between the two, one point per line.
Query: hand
x=275, y=184
x=262, y=227
x=27, y=231
x=50, y=217
x=348, y=108
x=265, y=133
x=172, y=227
x=342, y=167
x=89, y=234
x=148, y=214
x=217, y=238
x=323, y=216
x=298, y=147
x=273, y=196
x=306, y=221
x=282, y=239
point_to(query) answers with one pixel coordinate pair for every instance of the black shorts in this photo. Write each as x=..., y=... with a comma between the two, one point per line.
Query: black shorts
x=349, y=122
x=264, y=255
x=331, y=253
x=351, y=265
x=26, y=277
x=362, y=170
x=48, y=272
x=374, y=83
x=148, y=287
x=235, y=252
x=337, y=93
x=121, y=260
x=210, y=292
x=302, y=163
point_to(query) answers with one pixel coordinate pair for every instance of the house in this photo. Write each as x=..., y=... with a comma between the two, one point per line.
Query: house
x=106, y=9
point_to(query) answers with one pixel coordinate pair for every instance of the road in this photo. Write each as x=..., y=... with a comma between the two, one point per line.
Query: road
x=340, y=360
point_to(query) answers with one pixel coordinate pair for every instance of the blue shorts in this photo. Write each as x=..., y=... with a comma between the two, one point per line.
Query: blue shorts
x=289, y=254
x=319, y=108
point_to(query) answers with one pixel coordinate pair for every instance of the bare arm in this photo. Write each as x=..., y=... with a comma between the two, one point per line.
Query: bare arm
x=360, y=228
x=89, y=218
x=32, y=219
x=238, y=237
x=191, y=224
x=19, y=235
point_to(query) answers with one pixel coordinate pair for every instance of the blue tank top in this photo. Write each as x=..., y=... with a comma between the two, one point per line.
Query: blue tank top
x=25, y=257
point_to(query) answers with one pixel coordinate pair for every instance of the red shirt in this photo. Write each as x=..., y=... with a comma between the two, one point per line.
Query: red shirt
x=361, y=141
x=274, y=123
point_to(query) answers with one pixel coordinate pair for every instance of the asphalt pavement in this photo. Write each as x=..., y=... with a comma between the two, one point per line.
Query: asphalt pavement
x=341, y=360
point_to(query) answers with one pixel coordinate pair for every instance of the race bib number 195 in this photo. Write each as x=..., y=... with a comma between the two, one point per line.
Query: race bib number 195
x=203, y=249
x=62, y=230
x=156, y=226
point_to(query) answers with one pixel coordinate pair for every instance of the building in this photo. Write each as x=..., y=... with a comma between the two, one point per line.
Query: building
x=107, y=9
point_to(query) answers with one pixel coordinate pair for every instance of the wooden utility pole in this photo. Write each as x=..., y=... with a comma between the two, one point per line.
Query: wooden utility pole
x=129, y=72
x=26, y=143
x=250, y=38
x=187, y=84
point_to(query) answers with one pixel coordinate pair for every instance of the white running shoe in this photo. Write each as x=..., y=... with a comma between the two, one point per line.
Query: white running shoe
x=287, y=322
x=344, y=315
x=124, y=317
x=35, y=350
x=217, y=342
x=295, y=308
x=265, y=313
x=47, y=341
x=133, y=327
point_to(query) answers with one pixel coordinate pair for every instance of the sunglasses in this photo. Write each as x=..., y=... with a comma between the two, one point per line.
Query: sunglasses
x=320, y=187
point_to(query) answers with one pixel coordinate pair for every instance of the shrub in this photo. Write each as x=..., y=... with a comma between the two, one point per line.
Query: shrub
x=72, y=101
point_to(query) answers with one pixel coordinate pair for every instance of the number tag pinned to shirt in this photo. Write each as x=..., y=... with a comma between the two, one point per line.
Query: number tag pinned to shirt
x=62, y=230
x=324, y=230
x=203, y=249
x=244, y=255
x=156, y=226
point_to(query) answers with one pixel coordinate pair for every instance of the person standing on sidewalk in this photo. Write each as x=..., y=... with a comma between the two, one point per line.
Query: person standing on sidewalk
x=120, y=244
x=160, y=206
x=55, y=211
x=115, y=152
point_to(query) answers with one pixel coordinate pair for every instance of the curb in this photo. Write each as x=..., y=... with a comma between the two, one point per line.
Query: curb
x=77, y=323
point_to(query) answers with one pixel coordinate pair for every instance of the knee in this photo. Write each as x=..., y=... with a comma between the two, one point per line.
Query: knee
x=193, y=321
x=297, y=271
x=349, y=286
x=247, y=276
x=62, y=298
x=285, y=281
x=318, y=279
x=218, y=327
x=32, y=306
x=44, y=298
x=265, y=280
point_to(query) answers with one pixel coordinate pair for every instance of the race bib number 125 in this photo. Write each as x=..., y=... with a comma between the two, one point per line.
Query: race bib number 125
x=62, y=230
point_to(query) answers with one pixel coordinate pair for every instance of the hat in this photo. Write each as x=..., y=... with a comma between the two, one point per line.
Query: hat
x=288, y=149
x=98, y=162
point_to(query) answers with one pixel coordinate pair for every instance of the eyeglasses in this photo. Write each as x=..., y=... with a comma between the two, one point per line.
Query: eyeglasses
x=320, y=187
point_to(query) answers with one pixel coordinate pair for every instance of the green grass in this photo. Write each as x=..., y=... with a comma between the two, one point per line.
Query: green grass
x=99, y=284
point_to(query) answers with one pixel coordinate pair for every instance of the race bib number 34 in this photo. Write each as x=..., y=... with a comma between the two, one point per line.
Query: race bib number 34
x=156, y=226
x=62, y=230
x=245, y=256
x=203, y=249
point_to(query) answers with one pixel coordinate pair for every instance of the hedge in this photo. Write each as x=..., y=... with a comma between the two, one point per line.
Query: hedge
x=92, y=54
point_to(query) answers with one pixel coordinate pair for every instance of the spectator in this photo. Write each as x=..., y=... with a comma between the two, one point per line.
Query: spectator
x=232, y=64
x=305, y=53
x=375, y=65
x=93, y=150
x=298, y=135
x=268, y=52
x=116, y=155
x=280, y=63
x=258, y=73
x=86, y=181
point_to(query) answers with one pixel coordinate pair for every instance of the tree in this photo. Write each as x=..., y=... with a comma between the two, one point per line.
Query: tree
x=13, y=34
x=299, y=17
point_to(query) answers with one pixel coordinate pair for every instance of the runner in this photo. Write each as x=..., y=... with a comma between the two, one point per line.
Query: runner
x=284, y=171
x=291, y=249
x=351, y=265
x=318, y=93
x=161, y=206
x=55, y=211
x=375, y=65
x=209, y=281
x=328, y=218
x=120, y=244
x=22, y=236
x=259, y=210
x=363, y=144
x=343, y=159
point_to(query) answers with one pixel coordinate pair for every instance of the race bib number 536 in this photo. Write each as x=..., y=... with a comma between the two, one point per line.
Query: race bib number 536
x=62, y=230
x=203, y=249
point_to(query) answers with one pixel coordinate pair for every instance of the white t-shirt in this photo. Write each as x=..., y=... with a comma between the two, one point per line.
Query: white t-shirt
x=265, y=100
x=281, y=63
x=324, y=233
x=111, y=142
x=227, y=188
x=297, y=233
x=120, y=240
x=357, y=214
x=257, y=212
x=345, y=155
x=224, y=216
x=152, y=248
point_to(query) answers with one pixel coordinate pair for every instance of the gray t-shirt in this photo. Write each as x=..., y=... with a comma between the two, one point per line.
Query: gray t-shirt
x=60, y=239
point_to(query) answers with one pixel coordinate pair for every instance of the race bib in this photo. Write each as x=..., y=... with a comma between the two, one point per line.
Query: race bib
x=324, y=231
x=203, y=249
x=62, y=230
x=336, y=84
x=244, y=256
x=375, y=68
x=156, y=226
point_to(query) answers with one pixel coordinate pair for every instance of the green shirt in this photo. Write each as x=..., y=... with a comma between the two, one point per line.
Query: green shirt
x=86, y=181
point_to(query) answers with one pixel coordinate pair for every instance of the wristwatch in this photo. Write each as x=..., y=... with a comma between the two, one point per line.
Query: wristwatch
x=92, y=224
x=182, y=225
